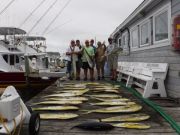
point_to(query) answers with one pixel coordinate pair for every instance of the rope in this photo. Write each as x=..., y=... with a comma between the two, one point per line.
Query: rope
x=38, y=6
x=59, y=13
x=50, y=7
x=156, y=107
x=4, y=125
x=15, y=125
x=6, y=7
x=21, y=122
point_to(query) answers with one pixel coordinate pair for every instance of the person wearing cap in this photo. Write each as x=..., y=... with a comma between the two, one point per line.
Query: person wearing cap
x=88, y=60
x=71, y=57
x=79, y=62
x=112, y=59
x=100, y=59
x=92, y=45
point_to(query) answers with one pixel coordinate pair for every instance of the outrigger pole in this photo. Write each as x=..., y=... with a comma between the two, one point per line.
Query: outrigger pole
x=50, y=7
x=59, y=13
x=26, y=19
x=7, y=6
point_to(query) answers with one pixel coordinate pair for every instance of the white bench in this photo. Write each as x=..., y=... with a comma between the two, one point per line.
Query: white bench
x=149, y=76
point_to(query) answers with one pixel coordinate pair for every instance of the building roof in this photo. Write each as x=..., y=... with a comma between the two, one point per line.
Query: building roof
x=134, y=14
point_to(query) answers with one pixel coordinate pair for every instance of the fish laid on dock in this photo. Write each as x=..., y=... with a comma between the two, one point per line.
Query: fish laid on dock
x=106, y=96
x=73, y=91
x=105, y=90
x=66, y=95
x=132, y=125
x=67, y=99
x=127, y=118
x=59, y=103
x=117, y=109
x=112, y=100
x=64, y=116
x=55, y=108
x=113, y=103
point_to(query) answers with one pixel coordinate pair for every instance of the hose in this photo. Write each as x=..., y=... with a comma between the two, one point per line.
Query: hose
x=153, y=105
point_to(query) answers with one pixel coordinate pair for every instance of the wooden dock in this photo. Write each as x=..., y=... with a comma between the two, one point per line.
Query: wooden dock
x=57, y=127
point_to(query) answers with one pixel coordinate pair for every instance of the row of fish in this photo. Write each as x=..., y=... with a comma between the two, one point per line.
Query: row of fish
x=72, y=95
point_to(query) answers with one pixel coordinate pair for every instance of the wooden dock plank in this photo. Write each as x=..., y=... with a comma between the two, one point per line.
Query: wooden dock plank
x=54, y=127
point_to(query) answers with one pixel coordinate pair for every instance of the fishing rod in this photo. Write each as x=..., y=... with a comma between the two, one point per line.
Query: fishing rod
x=50, y=7
x=59, y=13
x=57, y=27
x=7, y=6
x=34, y=10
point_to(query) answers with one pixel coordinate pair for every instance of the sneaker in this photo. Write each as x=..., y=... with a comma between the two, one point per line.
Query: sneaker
x=99, y=78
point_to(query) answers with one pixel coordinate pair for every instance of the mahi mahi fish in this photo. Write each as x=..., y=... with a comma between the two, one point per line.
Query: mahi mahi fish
x=73, y=91
x=127, y=118
x=58, y=103
x=105, y=90
x=55, y=108
x=117, y=109
x=67, y=99
x=132, y=125
x=113, y=103
x=106, y=96
x=65, y=95
x=64, y=116
x=113, y=100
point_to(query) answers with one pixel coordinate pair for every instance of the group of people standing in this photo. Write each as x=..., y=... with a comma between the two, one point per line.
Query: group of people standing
x=88, y=56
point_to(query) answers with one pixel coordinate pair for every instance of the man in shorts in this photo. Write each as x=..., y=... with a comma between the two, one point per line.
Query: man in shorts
x=79, y=61
x=88, y=60
x=112, y=59
x=100, y=59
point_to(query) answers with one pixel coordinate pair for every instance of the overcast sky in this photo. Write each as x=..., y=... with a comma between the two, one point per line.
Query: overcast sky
x=81, y=19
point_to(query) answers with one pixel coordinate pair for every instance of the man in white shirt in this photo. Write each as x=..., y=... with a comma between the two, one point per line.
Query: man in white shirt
x=72, y=59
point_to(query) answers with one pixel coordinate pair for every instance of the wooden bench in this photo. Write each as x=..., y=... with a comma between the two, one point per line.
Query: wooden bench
x=149, y=76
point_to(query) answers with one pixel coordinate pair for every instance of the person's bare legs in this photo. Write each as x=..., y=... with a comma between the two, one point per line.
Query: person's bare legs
x=98, y=72
x=102, y=72
x=91, y=74
x=78, y=70
x=85, y=74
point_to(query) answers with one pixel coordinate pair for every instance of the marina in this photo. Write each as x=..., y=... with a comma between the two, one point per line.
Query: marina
x=88, y=78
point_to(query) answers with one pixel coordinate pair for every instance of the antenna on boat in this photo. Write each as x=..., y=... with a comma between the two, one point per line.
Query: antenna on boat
x=6, y=7
x=59, y=13
x=57, y=27
x=34, y=10
x=50, y=7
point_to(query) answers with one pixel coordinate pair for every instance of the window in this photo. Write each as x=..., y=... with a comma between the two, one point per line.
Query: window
x=119, y=42
x=145, y=33
x=5, y=57
x=135, y=38
x=161, y=26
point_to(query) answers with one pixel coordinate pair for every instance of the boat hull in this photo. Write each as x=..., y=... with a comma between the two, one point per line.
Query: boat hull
x=26, y=87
